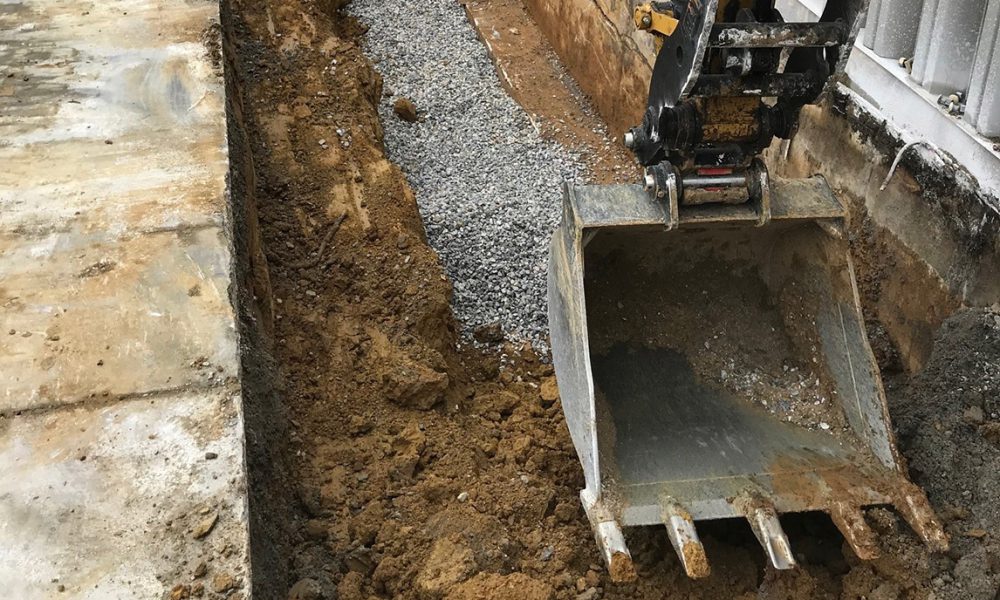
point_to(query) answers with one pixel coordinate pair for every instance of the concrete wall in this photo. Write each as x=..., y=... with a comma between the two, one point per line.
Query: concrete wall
x=598, y=43
x=925, y=245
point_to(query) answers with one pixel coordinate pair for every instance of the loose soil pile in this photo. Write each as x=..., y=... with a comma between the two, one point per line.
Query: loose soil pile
x=422, y=471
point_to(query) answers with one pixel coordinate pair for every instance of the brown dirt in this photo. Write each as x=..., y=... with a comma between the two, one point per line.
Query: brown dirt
x=903, y=301
x=417, y=470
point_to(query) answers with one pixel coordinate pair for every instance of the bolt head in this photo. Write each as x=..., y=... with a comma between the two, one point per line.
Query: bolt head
x=649, y=181
x=647, y=21
x=629, y=139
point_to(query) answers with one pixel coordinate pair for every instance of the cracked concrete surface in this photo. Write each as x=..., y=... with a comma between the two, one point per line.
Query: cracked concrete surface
x=121, y=431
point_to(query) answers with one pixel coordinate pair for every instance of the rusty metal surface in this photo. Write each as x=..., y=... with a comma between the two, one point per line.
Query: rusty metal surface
x=630, y=206
x=657, y=434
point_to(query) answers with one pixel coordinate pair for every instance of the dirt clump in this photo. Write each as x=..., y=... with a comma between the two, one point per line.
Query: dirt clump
x=491, y=586
x=405, y=109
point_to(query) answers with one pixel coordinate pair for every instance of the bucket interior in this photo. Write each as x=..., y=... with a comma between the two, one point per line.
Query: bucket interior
x=727, y=358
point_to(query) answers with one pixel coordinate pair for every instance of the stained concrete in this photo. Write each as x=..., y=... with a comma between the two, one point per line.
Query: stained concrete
x=121, y=427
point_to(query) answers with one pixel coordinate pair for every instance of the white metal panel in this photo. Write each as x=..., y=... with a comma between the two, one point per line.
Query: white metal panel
x=894, y=27
x=923, y=44
x=871, y=23
x=983, y=109
x=950, y=40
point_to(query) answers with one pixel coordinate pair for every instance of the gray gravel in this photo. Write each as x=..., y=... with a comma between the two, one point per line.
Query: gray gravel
x=488, y=186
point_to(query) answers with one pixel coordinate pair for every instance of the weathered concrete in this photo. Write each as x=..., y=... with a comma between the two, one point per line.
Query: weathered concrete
x=105, y=500
x=121, y=426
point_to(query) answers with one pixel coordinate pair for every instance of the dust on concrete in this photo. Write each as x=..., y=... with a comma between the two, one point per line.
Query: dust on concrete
x=476, y=495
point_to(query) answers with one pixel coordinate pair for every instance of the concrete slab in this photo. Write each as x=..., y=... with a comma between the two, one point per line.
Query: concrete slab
x=118, y=348
x=104, y=501
x=87, y=316
x=128, y=88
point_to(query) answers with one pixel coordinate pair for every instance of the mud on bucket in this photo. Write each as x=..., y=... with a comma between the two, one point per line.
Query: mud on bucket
x=719, y=370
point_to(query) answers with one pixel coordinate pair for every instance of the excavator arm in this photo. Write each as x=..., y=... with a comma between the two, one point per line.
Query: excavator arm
x=730, y=76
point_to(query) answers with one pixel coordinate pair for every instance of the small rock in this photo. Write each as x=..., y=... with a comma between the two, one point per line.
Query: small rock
x=514, y=31
x=223, y=582
x=360, y=560
x=359, y=425
x=546, y=553
x=200, y=570
x=414, y=385
x=589, y=594
x=205, y=527
x=315, y=530
x=549, y=390
x=489, y=334
x=211, y=456
x=503, y=402
x=405, y=109
x=180, y=592
x=565, y=512
x=463, y=496
x=593, y=579
x=581, y=585
x=306, y=589
x=974, y=415
x=991, y=431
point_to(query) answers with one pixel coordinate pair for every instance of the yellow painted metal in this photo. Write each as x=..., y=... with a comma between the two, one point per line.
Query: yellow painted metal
x=649, y=19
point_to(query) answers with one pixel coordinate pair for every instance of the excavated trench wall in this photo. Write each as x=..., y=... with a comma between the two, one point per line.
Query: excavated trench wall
x=927, y=244
x=265, y=418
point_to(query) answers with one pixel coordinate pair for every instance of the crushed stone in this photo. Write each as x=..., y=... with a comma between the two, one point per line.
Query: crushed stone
x=488, y=186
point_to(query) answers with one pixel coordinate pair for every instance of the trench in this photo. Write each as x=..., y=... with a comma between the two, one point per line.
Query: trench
x=386, y=459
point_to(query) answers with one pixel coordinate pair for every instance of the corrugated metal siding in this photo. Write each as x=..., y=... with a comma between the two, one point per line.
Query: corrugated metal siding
x=953, y=47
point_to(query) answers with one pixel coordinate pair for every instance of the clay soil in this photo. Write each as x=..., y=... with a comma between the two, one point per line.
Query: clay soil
x=414, y=467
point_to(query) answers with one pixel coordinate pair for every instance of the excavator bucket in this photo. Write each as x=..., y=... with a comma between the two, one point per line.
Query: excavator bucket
x=720, y=369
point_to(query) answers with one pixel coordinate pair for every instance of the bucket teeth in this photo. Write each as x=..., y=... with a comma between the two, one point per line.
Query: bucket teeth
x=764, y=522
x=851, y=523
x=684, y=537
x=916, y=510
x=616, y=554
x=610, y=540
